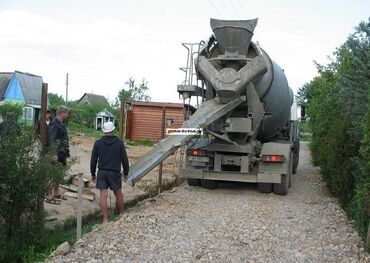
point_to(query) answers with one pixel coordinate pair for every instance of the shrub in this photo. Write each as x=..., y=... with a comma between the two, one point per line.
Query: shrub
x=24, y=180
x=337, y=103
x=14, y=108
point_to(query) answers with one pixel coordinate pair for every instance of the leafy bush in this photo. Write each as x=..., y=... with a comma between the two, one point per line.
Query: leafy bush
x=8, y=107
x=337, y=103
x=84, y=114
x=24, y=180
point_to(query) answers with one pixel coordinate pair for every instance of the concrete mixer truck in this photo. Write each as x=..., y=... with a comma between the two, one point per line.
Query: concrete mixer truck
x=245, y=115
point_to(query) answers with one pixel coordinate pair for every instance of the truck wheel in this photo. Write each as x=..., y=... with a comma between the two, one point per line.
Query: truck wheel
x=296, y=157
x=264, y=187
x=295, y=165
x=193, y=182
x=291, y=168
x=282, y=188
x=209, y=184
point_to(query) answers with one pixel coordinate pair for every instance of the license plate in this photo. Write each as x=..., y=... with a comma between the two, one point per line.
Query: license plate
x=198, y=159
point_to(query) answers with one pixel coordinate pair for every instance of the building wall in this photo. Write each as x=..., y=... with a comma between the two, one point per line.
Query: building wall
x=144, y=122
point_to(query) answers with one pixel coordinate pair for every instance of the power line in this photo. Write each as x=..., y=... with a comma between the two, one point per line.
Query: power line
x=218, y=11
x=227, y=9
x=235, y=9
x=241, y=7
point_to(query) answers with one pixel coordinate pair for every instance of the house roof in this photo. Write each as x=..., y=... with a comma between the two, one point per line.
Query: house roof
x=93, y=98
x=30, y=84
x=157, y=104
x=162, y=104
x=105, y=113
x=4, y=82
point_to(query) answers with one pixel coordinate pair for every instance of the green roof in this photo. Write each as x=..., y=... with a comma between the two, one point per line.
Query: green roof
x=105, y=113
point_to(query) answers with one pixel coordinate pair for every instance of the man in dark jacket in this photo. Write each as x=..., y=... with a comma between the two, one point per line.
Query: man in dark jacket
x=58, y=137
x=110, y=153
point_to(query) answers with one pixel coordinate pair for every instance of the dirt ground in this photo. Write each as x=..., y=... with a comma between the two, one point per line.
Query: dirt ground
x=232, y=223
x=81, y=147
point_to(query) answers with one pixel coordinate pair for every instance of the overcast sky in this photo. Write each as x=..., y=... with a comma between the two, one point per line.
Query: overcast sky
x=102, y=43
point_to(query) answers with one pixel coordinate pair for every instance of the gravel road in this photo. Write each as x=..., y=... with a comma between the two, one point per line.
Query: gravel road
x=234, y=223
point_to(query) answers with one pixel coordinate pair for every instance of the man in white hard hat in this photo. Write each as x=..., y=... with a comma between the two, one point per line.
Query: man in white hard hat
x=110, y=153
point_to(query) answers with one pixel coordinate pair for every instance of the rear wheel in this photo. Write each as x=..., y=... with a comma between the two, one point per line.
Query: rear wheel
x=296, y=157
x=265, y=187
x=209, y=184
x=193, y=182
x=282, y=188
x=291, y=168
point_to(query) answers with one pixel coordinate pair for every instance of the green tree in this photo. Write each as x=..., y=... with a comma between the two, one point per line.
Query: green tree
x=134, y=91
x=55, y=100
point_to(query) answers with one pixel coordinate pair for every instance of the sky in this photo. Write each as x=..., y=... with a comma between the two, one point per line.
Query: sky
x=101, y=44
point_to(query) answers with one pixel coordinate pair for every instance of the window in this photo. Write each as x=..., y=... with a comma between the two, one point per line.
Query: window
x=27, y=113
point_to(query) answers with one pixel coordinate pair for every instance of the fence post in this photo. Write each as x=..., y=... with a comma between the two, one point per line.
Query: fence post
x=367, y=244
x=44, y=105
x=79, y=206
x=160, y=170
x=121, y=118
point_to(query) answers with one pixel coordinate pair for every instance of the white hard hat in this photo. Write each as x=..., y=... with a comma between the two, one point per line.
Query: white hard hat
x=108, y=127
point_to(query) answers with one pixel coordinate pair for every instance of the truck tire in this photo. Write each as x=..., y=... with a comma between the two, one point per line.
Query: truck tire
x=296, y=156
x=193, y=182
x=209, y=184
x=264, y=187
x=282, y=188
x=291, y=168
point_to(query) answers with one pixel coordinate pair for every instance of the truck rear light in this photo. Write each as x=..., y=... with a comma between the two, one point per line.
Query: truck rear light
x=274, y=158
x=196, y=152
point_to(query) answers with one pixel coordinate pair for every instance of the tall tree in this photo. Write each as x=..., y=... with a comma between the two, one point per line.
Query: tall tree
x=134, y=91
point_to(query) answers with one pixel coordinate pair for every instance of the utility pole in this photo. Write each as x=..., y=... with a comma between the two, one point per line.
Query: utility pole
x=67, y=88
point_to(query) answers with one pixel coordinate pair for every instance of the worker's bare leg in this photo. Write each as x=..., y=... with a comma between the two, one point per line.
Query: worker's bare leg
x=104, y=204
x=119, y=201
x=56, y=189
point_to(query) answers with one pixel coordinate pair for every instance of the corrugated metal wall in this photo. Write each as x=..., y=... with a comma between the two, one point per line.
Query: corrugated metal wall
x=144, y=122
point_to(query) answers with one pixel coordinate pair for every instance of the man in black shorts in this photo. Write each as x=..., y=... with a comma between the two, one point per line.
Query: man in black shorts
x=110, y=153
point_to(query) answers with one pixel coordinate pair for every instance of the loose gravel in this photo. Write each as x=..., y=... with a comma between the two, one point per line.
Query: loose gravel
x=233, y=223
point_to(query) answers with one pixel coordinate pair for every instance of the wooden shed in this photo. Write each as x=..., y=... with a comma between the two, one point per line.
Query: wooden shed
x=144, y=119
x=102, y=117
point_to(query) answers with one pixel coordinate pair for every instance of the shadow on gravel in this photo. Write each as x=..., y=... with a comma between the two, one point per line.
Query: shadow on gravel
x=241, y=186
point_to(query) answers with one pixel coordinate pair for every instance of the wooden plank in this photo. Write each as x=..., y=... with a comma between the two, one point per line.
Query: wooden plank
x=86, y=181
x=84, y=196
x=71, y=187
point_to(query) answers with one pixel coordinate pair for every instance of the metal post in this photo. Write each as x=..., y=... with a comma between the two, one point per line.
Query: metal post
x=79, y=206
x=160, y=170
x=67, y=88
x=367, y=245
x=44, y=105
x=121, y=118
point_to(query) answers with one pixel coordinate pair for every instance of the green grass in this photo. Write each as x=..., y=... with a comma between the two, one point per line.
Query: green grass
x=140, y=143
x=75, y=128
x=62, y=233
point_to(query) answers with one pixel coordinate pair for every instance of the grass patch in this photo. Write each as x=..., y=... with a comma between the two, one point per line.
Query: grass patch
x=62, y=233
x=140, y=143
x=75, y=128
